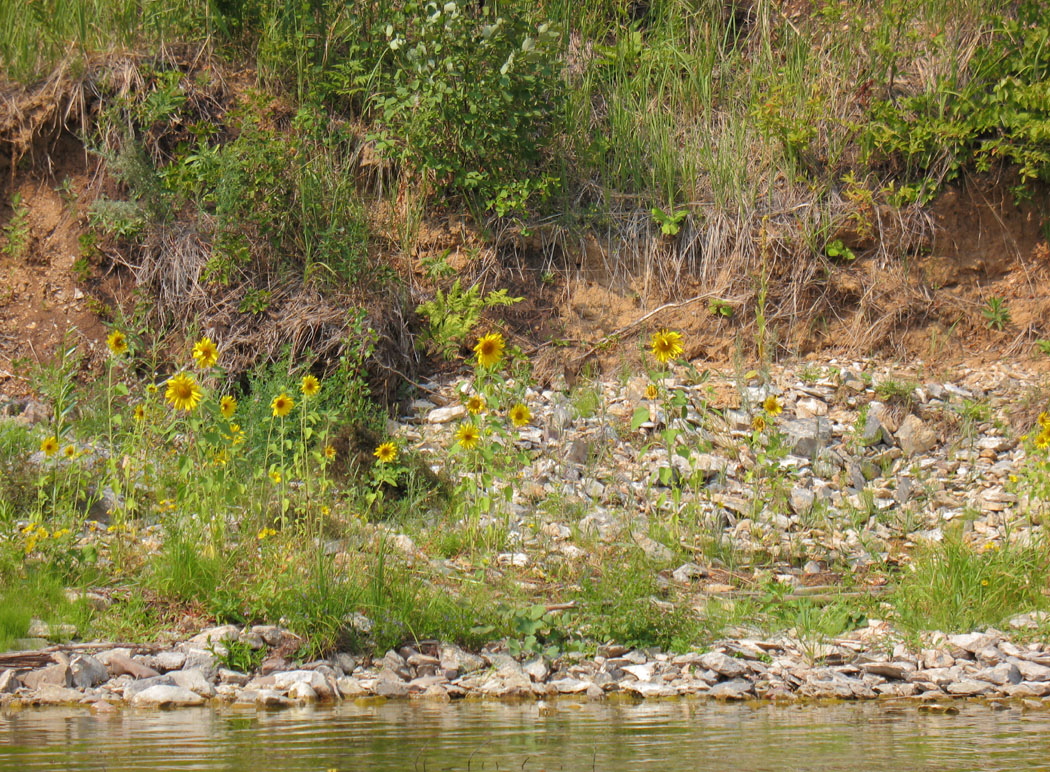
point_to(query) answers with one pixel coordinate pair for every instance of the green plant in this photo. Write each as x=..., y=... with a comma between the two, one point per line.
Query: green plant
x=467, y=99
x=836, y=250
x=238, y=655
x=255, y=301
x=986, y=114
x=670, y=222
x=954, y=587
x=996, y=313
x=451, y=316
x=16, y=232
x=722, y=308
x=1043, y=346
x=535, y=631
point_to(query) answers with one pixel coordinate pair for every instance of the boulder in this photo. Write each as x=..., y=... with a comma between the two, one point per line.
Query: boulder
x=87, y=671
x=915, y=437
x=166, y=696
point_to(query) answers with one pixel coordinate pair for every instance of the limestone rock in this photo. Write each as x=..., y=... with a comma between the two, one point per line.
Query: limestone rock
x=166, y=696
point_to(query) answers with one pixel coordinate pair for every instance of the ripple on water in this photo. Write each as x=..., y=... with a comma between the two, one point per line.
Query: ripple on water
x=612, y=737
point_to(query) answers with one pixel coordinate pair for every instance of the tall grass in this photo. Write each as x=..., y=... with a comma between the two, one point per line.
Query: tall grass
x=954, y=587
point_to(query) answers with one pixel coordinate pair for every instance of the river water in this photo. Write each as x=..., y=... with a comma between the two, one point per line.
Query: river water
x=575, y=737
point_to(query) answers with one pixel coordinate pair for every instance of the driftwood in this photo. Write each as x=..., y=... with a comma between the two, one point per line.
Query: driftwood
x=44, y=657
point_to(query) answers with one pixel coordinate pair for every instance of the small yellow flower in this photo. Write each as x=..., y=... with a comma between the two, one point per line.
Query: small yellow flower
x=60, y=533
x=275, y=476
x=236, y=435
x=138, y=413
x=984, y=582
x=265, y=534
x=666, y=346
x=117, y=343
x=152, y=388
x=1042, y=440
x=228, y=406
x=205, y=353
x=49, y=446
x=70, y=452
x=758, y=423
x=325, y=511
x=282, y=405
x=520, y=415
x=651, y=392
x=386, y=452
x=467, y=436
x=310, y=386
x=1012, y=478
x=772, y=406
x=329, y=452
x=1044, y=420
x=475, y=404
x=183, y=392
x=489, y=349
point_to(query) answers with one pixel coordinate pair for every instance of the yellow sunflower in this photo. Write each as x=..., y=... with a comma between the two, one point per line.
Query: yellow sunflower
x=236, y=435
x=275, y=475
x=70, y=452
x=282, y=405
x=49, y=446
x=475, y=404
x=310, y=386
x=183, y=392
x=758, y=423
x=386, y=452
x=117, y=343
x=772, y=406
x=228, y=406
x=468, y=436
x=651, y=392
x=489, y=349
x=1044, y=420
x=138, y=413
x=666, y=346
x=520, y=415
x=329, y=452
x=1042, y=440
x=265, y=534
x=205, y=353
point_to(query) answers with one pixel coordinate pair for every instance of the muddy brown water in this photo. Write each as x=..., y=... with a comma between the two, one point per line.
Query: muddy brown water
x=666, y=736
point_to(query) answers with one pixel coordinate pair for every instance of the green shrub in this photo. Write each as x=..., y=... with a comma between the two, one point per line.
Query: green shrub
x=471, y=100
x=996, y=112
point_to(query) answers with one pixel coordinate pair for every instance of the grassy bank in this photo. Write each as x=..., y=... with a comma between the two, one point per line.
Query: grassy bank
x=269, y=176
x=148, y=508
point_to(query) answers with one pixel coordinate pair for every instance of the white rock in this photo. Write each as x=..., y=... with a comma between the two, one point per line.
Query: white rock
x=161, y=696
x=443, y=415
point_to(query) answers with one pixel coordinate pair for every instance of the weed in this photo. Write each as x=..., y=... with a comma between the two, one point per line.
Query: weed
x=16, y=232
x=996, y=313
x=452, y=316
x=954, y=587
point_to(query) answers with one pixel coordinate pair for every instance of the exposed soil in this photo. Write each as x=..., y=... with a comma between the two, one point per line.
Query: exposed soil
x=926, y=305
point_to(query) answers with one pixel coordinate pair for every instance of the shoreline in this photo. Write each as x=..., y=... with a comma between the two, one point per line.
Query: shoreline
x=864, y=666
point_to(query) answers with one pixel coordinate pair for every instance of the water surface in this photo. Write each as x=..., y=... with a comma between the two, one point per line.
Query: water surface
x=575, y=737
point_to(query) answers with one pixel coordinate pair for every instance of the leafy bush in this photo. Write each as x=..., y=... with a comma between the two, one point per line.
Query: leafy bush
x=998, y=112
x=468, y=99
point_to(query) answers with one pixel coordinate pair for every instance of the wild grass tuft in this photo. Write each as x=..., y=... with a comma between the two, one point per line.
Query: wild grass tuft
x=953, y=587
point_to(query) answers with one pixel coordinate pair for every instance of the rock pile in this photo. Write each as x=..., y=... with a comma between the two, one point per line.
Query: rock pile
x=986, y=665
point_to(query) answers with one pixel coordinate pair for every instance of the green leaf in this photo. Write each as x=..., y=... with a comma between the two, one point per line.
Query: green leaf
x=641, y=416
